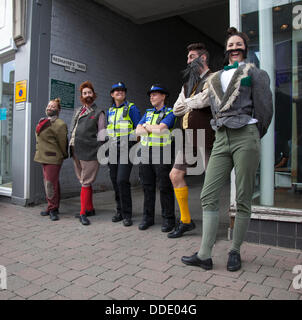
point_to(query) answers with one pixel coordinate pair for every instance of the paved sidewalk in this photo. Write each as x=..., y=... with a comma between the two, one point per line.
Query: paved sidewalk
x=48, y=260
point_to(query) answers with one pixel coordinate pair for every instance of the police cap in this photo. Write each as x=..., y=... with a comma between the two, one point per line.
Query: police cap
x=158, y=88
x=118, y=86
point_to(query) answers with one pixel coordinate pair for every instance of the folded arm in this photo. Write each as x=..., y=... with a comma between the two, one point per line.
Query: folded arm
x=184, y=105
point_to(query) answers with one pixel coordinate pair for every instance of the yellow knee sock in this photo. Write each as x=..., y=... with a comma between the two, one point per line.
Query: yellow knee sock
x=182, y=199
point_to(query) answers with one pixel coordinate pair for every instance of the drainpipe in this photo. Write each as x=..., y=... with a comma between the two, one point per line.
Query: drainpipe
x=267, y=62
x=235, y=21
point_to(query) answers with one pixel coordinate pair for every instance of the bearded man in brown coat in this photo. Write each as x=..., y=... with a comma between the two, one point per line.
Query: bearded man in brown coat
x=87, y=135
x=193, y=107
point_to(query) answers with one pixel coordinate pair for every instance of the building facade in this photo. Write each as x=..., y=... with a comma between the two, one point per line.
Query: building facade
x=65, y=43
x=48, y=47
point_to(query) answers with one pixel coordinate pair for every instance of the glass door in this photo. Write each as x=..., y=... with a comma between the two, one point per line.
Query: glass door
x=283, y=19
x=7, y=75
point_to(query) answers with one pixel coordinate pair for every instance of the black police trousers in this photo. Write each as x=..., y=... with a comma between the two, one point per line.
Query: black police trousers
x=149, y=175
x=120, y=178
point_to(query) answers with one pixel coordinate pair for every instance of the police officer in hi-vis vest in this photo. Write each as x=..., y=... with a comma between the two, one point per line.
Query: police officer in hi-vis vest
x=122, y=119
x=155, y=130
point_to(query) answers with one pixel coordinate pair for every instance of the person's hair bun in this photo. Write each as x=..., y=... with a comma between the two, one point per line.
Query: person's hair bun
x=57, y=101
x=231, y=31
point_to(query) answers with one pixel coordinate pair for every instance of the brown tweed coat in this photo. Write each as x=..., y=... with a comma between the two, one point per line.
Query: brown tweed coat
x=52, y=143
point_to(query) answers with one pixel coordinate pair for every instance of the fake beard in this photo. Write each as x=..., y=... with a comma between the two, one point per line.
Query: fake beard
x=52, y=113
x=191, y=74
x=87, y=100
x=227, y=55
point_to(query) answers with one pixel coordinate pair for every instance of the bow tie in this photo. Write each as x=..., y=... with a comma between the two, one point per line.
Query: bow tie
x=233, y=66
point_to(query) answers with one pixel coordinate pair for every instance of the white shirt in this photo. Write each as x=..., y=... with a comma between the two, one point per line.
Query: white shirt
x=226, y=77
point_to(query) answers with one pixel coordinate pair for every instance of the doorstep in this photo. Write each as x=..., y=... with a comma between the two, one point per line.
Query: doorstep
x=272, y=226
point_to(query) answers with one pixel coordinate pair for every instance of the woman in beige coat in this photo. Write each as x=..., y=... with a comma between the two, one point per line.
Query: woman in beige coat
x=51, y=150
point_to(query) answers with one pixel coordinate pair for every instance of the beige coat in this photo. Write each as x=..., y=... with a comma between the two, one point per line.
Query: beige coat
x=51, y=144
x=184, y=105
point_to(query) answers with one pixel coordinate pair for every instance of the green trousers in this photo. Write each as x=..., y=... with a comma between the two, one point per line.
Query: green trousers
x=233, y=148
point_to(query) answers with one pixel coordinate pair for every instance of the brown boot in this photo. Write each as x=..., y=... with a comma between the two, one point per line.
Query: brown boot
x=282, y=163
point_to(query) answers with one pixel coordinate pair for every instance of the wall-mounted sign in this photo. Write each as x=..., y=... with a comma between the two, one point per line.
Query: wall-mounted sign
x=21, y=91
x=63, y=90
x=3, y=114
x=20, y=106
x=70, y=65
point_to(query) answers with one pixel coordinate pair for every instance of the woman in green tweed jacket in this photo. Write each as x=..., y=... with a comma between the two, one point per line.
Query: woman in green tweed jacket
x=242, y=109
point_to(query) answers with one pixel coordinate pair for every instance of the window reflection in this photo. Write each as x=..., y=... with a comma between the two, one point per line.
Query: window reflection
x=7, y=71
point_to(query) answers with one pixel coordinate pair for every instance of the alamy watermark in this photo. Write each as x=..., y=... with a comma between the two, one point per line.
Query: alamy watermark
x=185, y=146
x=297, y=282
x=3, y=278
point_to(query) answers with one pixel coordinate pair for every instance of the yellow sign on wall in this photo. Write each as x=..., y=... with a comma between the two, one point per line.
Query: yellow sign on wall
x=21, y=91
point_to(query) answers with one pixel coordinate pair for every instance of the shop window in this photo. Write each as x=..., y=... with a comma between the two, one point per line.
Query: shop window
x=7, y=75
x=286, y=54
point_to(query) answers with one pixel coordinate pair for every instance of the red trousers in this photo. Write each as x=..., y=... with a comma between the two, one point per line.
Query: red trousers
x=51, y=174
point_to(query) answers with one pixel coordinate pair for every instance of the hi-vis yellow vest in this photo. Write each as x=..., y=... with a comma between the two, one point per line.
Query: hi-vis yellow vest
x=119, y=121
x=153, y=139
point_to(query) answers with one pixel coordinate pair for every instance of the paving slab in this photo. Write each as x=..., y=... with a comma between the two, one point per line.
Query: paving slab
x=65, y=260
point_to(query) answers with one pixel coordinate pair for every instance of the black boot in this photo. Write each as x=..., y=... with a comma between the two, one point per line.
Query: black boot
x=234, y=261
x=117, y=217
x=145, y=224
x=84, y=220
x=90, y=213
x=168, y=225
x=127, y=222
x=53, y=215
x=181, y=228
x=46, y=212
